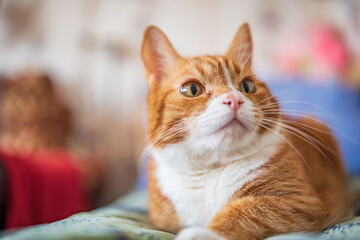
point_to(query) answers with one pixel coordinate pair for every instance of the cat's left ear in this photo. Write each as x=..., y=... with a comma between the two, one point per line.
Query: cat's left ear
x=241, y=49
x=158, y=55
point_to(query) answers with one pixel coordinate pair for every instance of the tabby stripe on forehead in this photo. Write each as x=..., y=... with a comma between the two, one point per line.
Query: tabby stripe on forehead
x=232, y=66
x=226, y=61
x=198, y=66
x=211, y=62
x=210, y=59
x=220, y=69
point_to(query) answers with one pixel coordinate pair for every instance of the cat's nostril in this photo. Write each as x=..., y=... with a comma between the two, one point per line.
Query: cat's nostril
x=227, y=102
x=234, y=102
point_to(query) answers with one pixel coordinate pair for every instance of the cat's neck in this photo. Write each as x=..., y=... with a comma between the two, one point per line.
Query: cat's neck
x=182, y=158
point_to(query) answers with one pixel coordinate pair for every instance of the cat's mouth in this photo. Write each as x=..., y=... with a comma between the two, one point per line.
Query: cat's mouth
x=234, y=123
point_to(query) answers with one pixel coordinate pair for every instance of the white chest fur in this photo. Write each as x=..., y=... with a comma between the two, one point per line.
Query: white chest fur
x=198, y=195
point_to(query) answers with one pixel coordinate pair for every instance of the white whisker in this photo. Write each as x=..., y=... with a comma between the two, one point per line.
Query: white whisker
x=291, y=145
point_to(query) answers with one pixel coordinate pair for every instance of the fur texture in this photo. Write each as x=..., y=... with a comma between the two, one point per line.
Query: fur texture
x=226, y=161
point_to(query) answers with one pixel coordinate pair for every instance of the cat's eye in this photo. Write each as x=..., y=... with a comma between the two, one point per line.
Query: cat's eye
x=247, y=86
x=192, y=89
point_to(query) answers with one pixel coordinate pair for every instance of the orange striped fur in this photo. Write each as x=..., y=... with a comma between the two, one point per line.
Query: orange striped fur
x=293, y=178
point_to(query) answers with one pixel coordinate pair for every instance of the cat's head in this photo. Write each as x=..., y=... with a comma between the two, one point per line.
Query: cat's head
x=206, y=104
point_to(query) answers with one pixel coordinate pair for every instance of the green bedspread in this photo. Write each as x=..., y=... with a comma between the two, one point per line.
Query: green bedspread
x=127, y=219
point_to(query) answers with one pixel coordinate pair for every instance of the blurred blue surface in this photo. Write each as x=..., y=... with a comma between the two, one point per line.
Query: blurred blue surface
x=333, y=103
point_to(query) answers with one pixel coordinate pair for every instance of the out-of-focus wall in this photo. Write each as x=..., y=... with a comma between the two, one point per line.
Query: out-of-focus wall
x=95, y=43
x=91, y=47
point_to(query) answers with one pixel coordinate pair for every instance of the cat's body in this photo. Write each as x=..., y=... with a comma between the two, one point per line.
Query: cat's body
x=225, y=162
x=316, y=188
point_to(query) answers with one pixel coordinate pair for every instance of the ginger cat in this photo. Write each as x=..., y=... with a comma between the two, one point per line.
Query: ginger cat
x=226, y=162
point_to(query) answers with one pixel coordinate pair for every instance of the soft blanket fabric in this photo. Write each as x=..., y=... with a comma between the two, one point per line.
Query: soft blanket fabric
x=126, y=219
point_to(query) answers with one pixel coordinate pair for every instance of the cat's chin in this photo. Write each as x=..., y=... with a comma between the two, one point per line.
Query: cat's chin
x=233, y=127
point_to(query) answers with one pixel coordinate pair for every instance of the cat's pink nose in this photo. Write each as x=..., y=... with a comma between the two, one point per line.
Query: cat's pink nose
x=234, y=101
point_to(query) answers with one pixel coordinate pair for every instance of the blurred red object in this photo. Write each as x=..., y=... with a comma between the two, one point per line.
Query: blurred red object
x=316, y=51
x=42, y=187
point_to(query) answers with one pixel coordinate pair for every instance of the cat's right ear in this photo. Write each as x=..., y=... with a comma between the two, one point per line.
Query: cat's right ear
x=158, y=55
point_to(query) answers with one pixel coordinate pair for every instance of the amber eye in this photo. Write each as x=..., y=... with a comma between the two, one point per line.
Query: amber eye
x=192, y=89
x=247, y=86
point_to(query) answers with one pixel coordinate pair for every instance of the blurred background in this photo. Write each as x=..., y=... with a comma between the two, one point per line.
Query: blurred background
x=308, y=51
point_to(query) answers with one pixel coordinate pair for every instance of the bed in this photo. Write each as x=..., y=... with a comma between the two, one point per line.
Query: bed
x=126, y=219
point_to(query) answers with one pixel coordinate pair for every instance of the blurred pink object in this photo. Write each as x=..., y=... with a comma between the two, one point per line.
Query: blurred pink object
x=315, y=52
